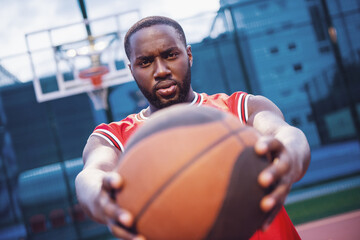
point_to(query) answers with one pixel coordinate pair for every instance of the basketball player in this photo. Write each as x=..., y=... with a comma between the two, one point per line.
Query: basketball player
x=160, y=62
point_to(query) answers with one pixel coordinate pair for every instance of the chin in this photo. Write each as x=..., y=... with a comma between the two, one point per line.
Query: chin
x=169, y=102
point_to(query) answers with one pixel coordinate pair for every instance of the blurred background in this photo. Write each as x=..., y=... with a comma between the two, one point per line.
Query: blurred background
x=304, y=55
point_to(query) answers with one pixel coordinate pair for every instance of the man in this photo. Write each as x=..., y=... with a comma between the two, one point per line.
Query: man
x=160, y=62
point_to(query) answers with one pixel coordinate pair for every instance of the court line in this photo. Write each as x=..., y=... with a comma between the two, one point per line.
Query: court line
x=327, y=221
x=321, y=190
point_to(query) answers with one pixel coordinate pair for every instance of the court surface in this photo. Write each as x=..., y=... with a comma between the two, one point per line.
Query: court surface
x=340, y=227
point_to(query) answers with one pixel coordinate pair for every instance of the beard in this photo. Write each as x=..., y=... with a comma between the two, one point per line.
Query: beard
x=184, y=87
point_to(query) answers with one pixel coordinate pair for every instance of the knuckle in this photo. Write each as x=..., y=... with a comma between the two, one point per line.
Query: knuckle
x=103, y=201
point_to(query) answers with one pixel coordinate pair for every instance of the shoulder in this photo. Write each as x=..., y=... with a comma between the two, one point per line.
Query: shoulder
x=235, y=103
x=258, y=104
x=117, y=133
x=222, y=97
x=128, y=122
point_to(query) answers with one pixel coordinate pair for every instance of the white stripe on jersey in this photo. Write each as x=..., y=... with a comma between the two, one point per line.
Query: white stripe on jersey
x=195, y=99
x=104, y=137
x=242, y=95
x=142, y=116
x=113, y=136
x=246, y=107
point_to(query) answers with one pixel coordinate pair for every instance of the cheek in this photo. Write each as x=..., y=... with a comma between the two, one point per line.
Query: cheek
x=143, y=78
x=181, y=67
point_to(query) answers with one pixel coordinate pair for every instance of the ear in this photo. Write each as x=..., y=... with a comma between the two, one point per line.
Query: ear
x=129, y=66
x=189, y=53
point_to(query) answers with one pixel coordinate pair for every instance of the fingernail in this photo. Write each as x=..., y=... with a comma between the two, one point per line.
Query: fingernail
x=269, y=202
x=260, y=146
x=266, y=178
x=115, y=180
x=125, y=218
x=139, y=237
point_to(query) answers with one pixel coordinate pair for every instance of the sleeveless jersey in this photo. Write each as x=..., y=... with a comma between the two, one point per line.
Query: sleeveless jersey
x=117, y=134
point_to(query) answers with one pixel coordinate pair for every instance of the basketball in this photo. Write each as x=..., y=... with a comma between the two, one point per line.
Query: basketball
x=191, y=173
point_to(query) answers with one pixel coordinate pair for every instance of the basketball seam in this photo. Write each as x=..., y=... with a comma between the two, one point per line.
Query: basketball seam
x=182, y=169
x=237, y=136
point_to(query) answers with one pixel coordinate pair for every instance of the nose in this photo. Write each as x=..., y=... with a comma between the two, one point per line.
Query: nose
x=161, y=70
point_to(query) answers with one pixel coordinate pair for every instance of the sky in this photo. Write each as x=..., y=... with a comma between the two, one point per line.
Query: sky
x=23, y=16
x=19, y=17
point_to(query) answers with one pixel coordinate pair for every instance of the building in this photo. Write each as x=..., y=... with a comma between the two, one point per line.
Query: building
x=282, y=46
x=6, y=78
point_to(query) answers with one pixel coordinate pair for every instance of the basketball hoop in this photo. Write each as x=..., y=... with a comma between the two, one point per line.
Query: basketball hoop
x=99, y=98
x=95, y=74
x=99, y=95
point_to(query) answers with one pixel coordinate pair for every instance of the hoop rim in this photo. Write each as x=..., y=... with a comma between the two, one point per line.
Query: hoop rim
x=93, y=72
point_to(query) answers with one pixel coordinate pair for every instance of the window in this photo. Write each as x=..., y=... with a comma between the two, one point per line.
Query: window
x=287, y=25
x=292, y=46
x=270, y=31
x=297, y=67
x=263, y=6
x=324, y=49
x=274, y=50
x=286, y=93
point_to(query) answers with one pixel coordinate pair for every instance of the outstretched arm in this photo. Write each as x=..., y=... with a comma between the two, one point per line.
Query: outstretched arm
x=285, y=145
x=95, y=183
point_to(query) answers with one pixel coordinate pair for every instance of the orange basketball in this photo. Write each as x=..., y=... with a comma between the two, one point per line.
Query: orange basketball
x=191, y=173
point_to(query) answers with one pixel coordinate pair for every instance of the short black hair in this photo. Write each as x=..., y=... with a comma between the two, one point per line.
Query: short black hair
x=148, y=22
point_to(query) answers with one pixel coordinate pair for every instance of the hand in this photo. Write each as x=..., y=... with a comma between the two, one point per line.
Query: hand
x=103, y=208
x=282, y=171
x=114, y=215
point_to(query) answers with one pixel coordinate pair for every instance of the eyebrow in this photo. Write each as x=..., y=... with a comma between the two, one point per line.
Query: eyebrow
x=144, y=57
x=166, y=51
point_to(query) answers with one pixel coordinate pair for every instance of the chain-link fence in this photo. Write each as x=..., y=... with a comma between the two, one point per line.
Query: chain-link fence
x=302, y=54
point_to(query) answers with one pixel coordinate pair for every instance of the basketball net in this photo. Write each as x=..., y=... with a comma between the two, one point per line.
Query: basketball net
x=99, y=98
x=99, y=95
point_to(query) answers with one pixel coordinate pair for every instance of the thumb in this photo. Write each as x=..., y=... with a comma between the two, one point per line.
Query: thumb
x=112, y=181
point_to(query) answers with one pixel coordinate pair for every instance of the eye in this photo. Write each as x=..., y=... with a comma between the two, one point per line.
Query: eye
x=172, y=55
x=144, y=62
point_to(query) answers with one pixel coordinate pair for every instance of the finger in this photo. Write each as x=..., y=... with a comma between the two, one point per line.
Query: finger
x=111, y=183
x=267, y=203
x=261, y=146
x=271, y=217
x=265, y=178
x=114, y=212
x=274, y=198
x=275, y=145
x=266, y=145
x=120, y=232
x=112, y=180
x=272, y=203
x=274, y=172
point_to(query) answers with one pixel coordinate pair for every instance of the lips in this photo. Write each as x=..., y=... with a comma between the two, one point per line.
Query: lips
x=166, y=88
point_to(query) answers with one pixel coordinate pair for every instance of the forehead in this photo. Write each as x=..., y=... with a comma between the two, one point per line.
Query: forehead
x=154, y=38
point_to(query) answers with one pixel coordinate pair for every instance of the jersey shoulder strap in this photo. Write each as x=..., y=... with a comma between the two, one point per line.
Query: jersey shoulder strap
x=238, y=105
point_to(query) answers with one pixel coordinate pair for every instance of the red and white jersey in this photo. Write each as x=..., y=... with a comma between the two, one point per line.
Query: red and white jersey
x=117, y=134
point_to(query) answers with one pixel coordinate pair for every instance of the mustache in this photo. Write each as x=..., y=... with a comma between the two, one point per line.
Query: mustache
x=165, y=83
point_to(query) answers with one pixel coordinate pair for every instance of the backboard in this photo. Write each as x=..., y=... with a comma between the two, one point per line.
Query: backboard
x=61, y=56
